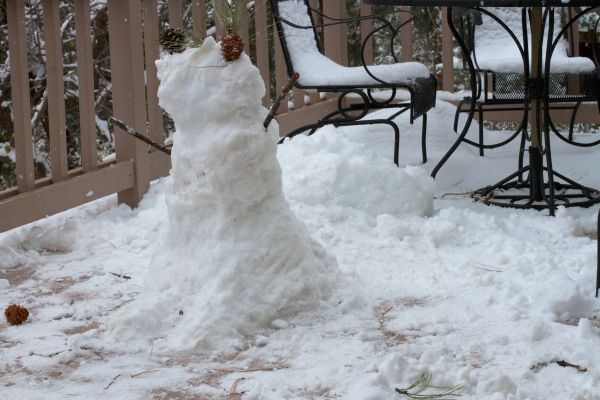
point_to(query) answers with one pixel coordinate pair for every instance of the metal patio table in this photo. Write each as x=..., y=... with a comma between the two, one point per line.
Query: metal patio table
x=536, y=191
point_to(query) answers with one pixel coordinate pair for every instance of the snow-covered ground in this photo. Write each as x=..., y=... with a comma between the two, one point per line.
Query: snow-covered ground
x=480, y=297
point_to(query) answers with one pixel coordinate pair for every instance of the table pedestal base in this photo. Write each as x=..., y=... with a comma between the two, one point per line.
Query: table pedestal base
x=533, y=192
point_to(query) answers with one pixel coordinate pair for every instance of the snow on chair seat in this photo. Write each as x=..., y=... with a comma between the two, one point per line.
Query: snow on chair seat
x=496, y=51
x=303, y=55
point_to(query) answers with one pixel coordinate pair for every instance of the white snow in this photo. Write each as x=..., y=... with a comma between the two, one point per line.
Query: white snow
x=230, y=234
x=317, y=70
x=480, y=297
x=496, y=50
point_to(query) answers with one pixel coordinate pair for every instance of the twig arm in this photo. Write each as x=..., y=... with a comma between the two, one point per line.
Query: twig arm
x=137, y=135
x=281, y=97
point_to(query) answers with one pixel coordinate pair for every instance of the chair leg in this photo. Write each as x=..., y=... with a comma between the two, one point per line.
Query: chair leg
x=572, y=123
x=457, y=114
x=424, y=138
x=598, y=259
x=396, y=140
x=480, y=116
x=523, y=143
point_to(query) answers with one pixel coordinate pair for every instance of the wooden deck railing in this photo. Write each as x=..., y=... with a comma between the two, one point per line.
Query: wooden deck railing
x=133, y=38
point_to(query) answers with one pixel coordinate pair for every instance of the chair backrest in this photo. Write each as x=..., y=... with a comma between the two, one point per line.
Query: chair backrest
x=296, y=41
x=494, y=49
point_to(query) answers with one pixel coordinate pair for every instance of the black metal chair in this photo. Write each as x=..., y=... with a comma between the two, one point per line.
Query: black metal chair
x=500, y=80
x=303, y=54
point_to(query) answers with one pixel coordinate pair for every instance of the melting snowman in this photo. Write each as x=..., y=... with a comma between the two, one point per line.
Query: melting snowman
x=234, y=260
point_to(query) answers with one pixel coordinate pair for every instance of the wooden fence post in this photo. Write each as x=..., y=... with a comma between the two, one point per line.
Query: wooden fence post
x=199, y=18
x=152, y=53
x=366, y=26
x=447, y=54
x=336, y=37
x=129, y=98
x=406, y=34
x=56, y=91
x=19, y=82
x=262, y=47
x=85, y=76
x=175, y=13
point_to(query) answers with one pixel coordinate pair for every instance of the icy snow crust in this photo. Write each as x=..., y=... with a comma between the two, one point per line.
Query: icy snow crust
x=234, y=258
x=317, y=70
x=497, y=51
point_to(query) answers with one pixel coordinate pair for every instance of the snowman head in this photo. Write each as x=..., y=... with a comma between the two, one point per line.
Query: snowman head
x=198, y=86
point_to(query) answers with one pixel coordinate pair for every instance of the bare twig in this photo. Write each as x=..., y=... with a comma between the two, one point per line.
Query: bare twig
x=456, y=194
x=484, y=267
x=422, y=384
x=49, y=355
x=281, y=97
x=129, y=130
x=120, y=276
x=143, y=372
x=112, y=382
x=122, y=304
x=562, y=363
x=233, y=394
x=233, y=370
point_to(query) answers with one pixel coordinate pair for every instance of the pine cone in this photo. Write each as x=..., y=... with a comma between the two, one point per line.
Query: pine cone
x=173, y=40
x=232, y=46
x=15, y=314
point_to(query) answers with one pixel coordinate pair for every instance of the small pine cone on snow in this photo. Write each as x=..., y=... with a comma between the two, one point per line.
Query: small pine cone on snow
x=15, y=314
x=232, y=46
x=173, y=40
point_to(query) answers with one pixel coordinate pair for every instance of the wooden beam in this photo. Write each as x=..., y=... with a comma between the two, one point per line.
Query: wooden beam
x=56, y=91
x=19, y=82
x=152, y=53
x=262, y=47
x=295, y=119
x=447, y=54
x=85, y=79
x=31, y=206
x=129, y=90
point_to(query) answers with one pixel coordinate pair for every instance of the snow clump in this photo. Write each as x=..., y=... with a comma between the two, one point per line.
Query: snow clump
x=234, y=260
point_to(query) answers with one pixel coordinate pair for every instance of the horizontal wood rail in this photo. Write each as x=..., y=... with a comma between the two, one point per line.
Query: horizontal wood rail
x=27, y=207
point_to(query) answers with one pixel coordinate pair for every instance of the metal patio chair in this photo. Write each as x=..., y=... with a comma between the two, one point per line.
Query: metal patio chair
x=303, y=54
x=495, y=44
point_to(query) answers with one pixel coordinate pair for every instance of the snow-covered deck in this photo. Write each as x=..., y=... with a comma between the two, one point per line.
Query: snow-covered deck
x=482, y=297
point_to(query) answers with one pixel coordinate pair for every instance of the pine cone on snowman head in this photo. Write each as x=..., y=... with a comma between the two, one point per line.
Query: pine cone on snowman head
x=230, y=16
x=173, y=40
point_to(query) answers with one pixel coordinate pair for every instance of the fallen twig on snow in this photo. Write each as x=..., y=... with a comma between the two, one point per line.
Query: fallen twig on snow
x=483, y=267
x=121, y=305
x=112, y=382
x=121, y=276
x=143, y=372
x=562, y=363
x=415, y=391
x=233, y=394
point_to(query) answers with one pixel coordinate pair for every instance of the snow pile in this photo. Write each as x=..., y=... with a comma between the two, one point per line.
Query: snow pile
x=485, y=298
x=21, y=245
x=235, y=260
x=328, y=170
x=317, y=70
